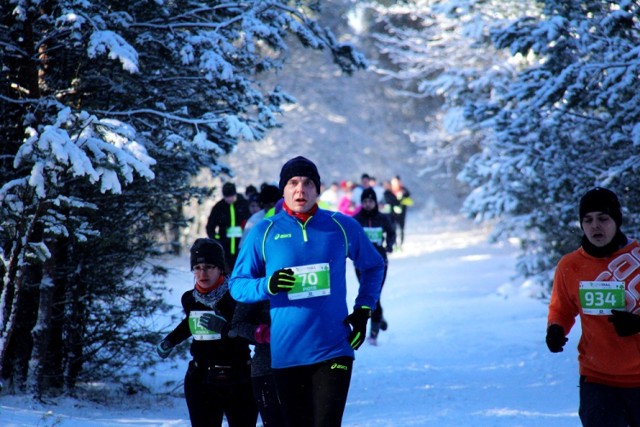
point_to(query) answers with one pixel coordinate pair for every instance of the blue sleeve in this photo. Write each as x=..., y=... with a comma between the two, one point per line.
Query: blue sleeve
x=248, y=282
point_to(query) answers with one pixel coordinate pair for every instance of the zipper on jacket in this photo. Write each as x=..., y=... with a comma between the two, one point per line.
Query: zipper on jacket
x=304, y=229
x=232, y=214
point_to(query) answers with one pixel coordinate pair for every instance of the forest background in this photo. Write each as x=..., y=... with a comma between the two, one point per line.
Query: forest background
x=121, y=119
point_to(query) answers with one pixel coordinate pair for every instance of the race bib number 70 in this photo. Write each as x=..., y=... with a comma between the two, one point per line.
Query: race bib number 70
x=311, y=281
x=599, y=298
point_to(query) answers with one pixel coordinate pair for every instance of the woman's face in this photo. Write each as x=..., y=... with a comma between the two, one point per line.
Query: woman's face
x=599, y=228
x=206, y=275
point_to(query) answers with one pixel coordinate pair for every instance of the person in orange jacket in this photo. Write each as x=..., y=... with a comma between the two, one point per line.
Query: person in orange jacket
x=600, y=283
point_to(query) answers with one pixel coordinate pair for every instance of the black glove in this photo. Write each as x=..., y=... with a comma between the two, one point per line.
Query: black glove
x=281, y=281
x=556, y=338
x=358, y=321
x=625, y=323
x=214, y=323
x=164, y=348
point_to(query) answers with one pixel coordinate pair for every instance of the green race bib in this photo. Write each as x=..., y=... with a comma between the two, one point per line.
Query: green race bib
x=311, y=281
x=374, y=234
x=199, y=332
x=599, y=298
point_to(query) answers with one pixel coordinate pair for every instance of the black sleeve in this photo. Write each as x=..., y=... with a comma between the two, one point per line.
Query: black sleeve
x=212, y=222
x=226, y=306
x=182, y=331
x=245, y=320
x=389, y=230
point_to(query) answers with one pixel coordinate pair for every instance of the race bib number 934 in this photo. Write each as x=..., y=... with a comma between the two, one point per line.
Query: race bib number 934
x=599, y=298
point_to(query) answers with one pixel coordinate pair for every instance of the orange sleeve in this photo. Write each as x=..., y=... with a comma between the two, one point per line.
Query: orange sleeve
x=564, y=304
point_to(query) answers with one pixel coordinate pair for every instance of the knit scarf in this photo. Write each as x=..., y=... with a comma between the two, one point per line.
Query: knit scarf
x=211, y=298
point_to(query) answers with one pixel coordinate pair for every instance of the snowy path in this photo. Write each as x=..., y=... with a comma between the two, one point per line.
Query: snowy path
x=464, y=348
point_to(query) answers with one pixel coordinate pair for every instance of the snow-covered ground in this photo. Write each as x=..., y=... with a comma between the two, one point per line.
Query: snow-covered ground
x=465, y=347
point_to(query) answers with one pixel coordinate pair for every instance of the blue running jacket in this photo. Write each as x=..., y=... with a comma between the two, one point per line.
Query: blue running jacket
x=308, y=330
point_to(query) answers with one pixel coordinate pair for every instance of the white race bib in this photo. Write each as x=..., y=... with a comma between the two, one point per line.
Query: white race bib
x=311, y=281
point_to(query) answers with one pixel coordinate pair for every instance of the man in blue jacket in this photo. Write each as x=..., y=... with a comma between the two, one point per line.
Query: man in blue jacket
x=297, y=260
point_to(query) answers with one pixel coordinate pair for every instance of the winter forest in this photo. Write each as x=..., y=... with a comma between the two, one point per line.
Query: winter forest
x=119, y=117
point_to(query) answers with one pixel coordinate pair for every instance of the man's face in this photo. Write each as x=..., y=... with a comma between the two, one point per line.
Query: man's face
x=599, y=228
x=300, y=194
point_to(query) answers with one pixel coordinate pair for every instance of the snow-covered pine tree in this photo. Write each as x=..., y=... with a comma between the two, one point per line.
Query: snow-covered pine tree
x=441, y=54
x=96, y=96
x=568, y=123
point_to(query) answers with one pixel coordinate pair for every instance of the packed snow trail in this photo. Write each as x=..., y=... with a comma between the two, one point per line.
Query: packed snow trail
x=465, y=347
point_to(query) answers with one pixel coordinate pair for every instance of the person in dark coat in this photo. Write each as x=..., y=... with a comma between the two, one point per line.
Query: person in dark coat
x=218, y=380
x=226, y=222
x=404, y=202
x=383, y=236
x=253, y=322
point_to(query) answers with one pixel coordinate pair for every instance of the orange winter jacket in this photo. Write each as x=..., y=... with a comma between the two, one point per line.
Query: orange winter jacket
x=604, y=357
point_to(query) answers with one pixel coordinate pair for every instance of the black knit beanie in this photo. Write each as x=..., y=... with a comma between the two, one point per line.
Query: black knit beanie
x=229, y=189
x=299, y=166
x=601, y=200
x=207, y=251
x=368, y=193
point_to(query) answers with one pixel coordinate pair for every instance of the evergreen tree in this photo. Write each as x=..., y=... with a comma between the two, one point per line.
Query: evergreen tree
x=568, y=123
x=441, y=54
x=108, y=109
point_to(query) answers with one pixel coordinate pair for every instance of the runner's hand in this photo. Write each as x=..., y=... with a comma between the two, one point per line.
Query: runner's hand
x=358, y=322
x=164, y=349
x=625, y=323
x=262, y=334
x=281, y=281
x=213, y=322
x=556, y=338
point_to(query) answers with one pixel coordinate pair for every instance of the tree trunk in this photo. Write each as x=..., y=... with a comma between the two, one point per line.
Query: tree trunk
x=41, y=337
x=13, y=286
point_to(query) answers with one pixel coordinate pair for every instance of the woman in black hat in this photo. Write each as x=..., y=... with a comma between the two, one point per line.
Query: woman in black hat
x=218, y=380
